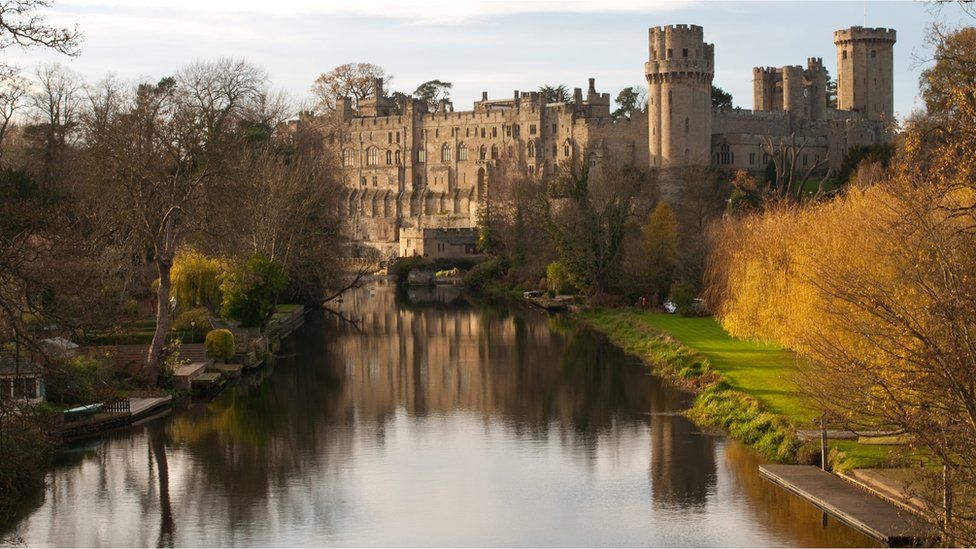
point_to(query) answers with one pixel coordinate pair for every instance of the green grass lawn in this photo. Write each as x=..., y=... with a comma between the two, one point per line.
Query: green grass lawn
x=763, y=371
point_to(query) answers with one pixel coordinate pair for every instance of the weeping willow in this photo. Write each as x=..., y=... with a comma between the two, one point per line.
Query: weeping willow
x=196, y=279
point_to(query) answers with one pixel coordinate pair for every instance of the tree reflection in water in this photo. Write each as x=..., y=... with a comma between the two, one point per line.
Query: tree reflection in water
x=427, y=418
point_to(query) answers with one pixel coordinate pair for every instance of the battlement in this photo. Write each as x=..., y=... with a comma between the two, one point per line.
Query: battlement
x=814, y=63
x=694, y=29
x=879, y=34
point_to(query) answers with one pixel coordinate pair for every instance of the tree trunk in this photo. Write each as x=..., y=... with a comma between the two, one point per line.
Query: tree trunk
x=163, y=267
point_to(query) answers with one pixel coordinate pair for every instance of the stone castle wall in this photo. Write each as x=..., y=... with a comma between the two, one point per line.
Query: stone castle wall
x=408, y=169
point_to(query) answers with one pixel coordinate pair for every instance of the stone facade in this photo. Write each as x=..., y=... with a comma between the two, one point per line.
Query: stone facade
x=409, y=168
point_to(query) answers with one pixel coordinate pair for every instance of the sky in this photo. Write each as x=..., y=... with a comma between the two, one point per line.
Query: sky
x=496, y=46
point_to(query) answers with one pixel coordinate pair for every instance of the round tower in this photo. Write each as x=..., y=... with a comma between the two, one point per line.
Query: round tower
x=865, y=67
x=679, y=73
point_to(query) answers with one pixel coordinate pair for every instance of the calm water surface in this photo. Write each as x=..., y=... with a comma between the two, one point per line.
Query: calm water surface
x=426, y=420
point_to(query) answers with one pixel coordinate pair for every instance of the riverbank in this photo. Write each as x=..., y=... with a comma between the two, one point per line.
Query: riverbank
x=746, y=388
x=721, y=401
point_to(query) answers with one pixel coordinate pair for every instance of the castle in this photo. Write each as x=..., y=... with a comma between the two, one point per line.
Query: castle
x=415, y=176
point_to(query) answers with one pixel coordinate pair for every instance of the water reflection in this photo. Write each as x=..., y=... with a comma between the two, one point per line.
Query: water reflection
x=426, y=419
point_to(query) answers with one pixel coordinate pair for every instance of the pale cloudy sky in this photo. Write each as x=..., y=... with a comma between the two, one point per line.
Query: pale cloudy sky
x=492, y=45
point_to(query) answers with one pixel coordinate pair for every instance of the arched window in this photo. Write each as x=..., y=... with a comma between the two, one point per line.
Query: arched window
x=567, y=148
x=348, y=157
x=389, y=157
x=594, y=159
x=483, y=151
x=531, y=149
x=445, y=153
x=462, y=152
x=396, y=158
x=372, y=156
x=494, y=152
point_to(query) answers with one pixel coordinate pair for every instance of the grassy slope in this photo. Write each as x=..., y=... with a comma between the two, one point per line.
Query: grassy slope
x=762, y=371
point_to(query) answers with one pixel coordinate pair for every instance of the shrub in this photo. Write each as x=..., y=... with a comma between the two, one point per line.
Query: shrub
x=81, y=380
x=249, y=293
x=29, y=442
x=220, y=344
x=484, y=274
x=196, y=321
x=683, y=295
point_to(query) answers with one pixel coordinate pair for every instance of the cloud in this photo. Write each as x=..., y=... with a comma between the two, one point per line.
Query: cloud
x=434, y=12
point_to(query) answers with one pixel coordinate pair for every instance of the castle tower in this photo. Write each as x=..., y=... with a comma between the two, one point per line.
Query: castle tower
x=865, y=66
x=679, y=75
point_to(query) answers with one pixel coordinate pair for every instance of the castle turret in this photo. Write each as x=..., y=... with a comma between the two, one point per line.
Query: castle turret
x=679, y=75
x=865, y=67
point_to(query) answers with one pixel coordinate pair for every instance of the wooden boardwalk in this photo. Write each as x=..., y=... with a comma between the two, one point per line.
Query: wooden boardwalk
x=842, y=500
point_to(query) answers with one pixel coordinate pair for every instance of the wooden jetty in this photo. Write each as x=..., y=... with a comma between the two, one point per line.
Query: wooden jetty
x=115, y=414
x=844, y=501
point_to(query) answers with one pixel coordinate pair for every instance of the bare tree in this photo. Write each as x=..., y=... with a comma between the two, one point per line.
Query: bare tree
x=21, y=25
x=13, y=91
x=790, y=177
x=57, y=102
x=354, y=80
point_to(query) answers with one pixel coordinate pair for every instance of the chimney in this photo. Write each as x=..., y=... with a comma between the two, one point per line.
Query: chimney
x=484, y=96
x=578, y=96
x=592, y=85
x=516, y=95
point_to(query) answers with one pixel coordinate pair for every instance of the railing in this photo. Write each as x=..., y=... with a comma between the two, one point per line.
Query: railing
x=119, y=405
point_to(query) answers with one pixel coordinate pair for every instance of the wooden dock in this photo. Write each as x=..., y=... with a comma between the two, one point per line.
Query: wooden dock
x=115, y=416
x=871, y=515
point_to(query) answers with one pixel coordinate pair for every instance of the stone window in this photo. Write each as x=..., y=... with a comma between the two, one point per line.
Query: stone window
x=687, y=125
x=389, y=137
x=515, y=129
x=843, y=54
x=462, y=152
x=752, y=159
x=669, y=53
x=669, y=98
x=389, y=157
x=508, y=131
x=372, y=156
x=804, y=159
x=437, y=132
x=494, y=152
x=725, y=155
x=874, y=54
x=421, y=156
x=594, y=158
x=396, y=158
x=348, y=157
x=483, y=151
x=445, y=153
x=362, y=181
x=554, y=129
x=554, y=150
x=374, y=180
x=467, y=132
x=397, y=137
x=684, y=52
x=567, y=149
x=531, y=149
x=482, y=132
x=494, y=131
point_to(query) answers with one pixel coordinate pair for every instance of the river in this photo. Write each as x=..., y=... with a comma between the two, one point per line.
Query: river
x=425, y=419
